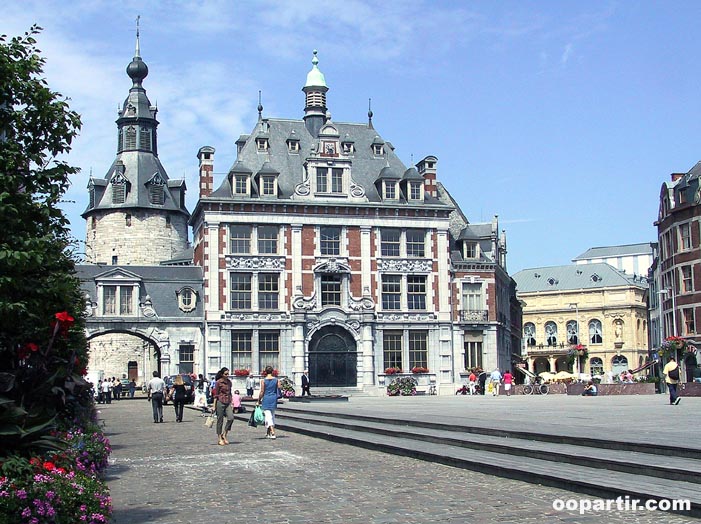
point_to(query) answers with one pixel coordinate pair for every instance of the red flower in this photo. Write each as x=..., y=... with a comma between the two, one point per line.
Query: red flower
x=49, y=466
x=26, y=350
x=65, y=321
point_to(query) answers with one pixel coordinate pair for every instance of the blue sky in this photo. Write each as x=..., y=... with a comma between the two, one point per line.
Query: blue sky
x=562, y=117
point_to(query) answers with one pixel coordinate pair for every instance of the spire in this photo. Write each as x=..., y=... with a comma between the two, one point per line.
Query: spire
x=260, y=107
x=137, y=52
x=315, y=78
x=370, y=113
x=137, y=69
x=315, y=92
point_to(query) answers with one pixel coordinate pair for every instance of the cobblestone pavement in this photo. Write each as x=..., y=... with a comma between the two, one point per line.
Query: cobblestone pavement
x=176, y=473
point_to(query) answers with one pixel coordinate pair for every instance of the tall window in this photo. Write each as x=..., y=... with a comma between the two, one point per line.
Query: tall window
x=145, y=139
x=687, y=279
x=416, y=291
x=391, y=292
x=329, y=180
x=240, y=291
x=109, y=300
x=267, y=239
x=473, y=354
x=551, y=333
x=268, y=290
x=390, y=242
x=390, y=189
x=472, y=296
x=269, y=349
x=595, y=332
x=392, y=349
x=241, y=349
x=689, y=322
x=529, y=334
x=268, y=185
x=470, y=249
x=240, y=185
x=156, y=194
x=572, y=332
x=322, y=183
x=240, y=239
x=330, y=241
x=418, y=349
x=596, y=366
x=337, y=180
x=415, y=239
x=187, y=358
x=415, y=190
x=685, y=236
x=119, y=191
x=125, y=302
x=331, y=289
x=130, y=138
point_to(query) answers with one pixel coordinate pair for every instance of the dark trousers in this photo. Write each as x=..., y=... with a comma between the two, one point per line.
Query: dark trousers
x=108, y=397
x=179, y=406
x=305, y=388
x=249, y=392
x=157, y=405
x=672, y=392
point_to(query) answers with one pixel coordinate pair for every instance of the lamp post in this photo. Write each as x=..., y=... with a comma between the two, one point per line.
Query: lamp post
x=575, y=306
x=661, y=292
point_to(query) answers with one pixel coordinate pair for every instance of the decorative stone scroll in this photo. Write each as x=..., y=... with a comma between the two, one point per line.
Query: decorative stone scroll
x=254, y=317
x=405, y=265
x=261, y=263
x=365, y=303
x=305, y=303
x=406, y=317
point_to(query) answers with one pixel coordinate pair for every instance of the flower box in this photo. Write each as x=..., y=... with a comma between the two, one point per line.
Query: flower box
x=419, y=369
x=242, y=372
x=392, y=371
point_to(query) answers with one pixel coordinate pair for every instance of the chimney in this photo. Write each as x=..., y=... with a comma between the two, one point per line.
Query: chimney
x=676, y=176
x=206, y=157
x=427, y=169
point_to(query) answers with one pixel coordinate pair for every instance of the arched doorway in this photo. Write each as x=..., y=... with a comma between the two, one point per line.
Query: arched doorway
x=540, y=364
x=562, y=364
x=333, y=358
x=619, y=364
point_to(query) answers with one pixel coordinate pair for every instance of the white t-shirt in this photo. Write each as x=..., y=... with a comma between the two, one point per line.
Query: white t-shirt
x=156, y=385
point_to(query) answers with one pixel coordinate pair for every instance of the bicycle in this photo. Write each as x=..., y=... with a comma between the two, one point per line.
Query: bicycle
x=540, y=389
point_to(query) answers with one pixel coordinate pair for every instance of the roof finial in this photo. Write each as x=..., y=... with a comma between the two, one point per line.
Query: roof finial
x=260, y=106
x=370, y=113
x=138, y=51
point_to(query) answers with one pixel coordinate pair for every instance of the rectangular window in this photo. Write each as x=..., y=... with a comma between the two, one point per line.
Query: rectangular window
x=415, y=239
x=687, y=280
x=130, y=138
x=187, y=358
x=240, y=291
x=267, y=240
x=240, y=239
x=268, y=186
x=390, y=242
x=125, y=305
x=240, y=185
x=331, y=290
x=262, y=144
x=415, y=190
x=689, y=322
x=109, y=300
x=330, y=241
x=392, y=349
x=337, y=180
x=119, y=193
x=418, y=349
x=416, y=291
x=472, y=297
x=391, y=292
x=268, y=290
x=473, y=354
x=241, y=349
x=145, y=139
x=322, y=185
x=685, y=236
x=390, y=190
x=470, y=250
x=269, y=349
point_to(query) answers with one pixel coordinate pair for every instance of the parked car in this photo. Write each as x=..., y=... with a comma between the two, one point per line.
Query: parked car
x=189, y=387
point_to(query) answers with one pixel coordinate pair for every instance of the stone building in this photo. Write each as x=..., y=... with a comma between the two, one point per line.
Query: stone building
x=322, y=250
x=593, y=305
x=144, y=308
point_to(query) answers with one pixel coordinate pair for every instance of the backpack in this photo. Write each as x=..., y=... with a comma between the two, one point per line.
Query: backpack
x=674, y=373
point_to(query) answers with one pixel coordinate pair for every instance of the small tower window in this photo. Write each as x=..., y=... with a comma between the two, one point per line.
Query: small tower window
x=156, y=194
x=262, y=144
x=119, y=188
x=145, y=138
x=130, y=138
x=92, y=197
x=377, y=149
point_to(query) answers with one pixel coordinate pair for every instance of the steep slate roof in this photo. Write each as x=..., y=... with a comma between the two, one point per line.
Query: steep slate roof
x=159, y=282
x=573, y=277
x=643, y=248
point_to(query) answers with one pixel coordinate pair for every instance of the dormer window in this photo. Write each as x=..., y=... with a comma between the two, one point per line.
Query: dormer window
x=416, y=190
x=293, y=146
x=470, y=250
x=329, y=180
x=119, y=188
x=156, y=190
x=390, y=187
x=262, y=144
x=187, y=299
x=268, y=185
x=241, y=185
x=348, y=148
x=377, y=149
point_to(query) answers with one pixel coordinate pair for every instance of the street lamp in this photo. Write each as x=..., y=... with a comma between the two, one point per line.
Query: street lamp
x=661, y=292
x=575, y=306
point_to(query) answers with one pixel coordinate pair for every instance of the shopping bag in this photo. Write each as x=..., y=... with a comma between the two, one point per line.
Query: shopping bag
x=252, y=420
x=490, y=387
x=209, y=421
x=258, y=415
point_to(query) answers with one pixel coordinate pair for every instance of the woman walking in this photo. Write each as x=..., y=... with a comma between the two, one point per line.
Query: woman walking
x=178, y=393
x=268, y=400
x=222, y=405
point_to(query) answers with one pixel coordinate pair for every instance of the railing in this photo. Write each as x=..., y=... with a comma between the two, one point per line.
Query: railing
x=474, y=315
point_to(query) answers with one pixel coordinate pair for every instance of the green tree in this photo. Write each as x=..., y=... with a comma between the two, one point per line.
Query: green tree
x=38, y=358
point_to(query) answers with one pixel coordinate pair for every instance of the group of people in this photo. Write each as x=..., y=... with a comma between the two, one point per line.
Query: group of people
x=479, y=382
x=111, y=388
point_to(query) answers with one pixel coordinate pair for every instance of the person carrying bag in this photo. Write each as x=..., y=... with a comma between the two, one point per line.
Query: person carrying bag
x=222, y=405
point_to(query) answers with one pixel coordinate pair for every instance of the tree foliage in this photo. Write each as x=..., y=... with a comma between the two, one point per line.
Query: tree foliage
x=38, y=361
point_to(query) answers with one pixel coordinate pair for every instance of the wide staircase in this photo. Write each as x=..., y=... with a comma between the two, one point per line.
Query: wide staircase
x=600, y=468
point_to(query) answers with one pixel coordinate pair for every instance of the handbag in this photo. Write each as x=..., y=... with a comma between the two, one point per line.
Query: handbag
x=258, y=415
x=252, y=420
x=209, y=421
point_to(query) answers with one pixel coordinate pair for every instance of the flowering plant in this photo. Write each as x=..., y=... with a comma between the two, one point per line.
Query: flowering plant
x=242, y=372
x=404, y=386
x=286, y=387
x=671, y=345
x=87, y=451
x=392, y=371
x=419, y=369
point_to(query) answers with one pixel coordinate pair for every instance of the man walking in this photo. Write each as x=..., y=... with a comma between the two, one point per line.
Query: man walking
x=305, y=383
x=671, y=377
x=155, y=390
x=495, y=378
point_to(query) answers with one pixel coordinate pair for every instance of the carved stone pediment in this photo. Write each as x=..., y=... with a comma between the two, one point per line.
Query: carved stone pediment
x=253, y=263
x=405, y=265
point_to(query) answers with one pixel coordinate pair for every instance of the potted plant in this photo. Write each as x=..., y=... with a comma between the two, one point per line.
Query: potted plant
x=419, y=369
x=392, y=371
x=242, y=372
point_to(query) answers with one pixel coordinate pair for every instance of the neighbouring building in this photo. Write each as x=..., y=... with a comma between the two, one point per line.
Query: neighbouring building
x=634, y=259
x=592, y=305
x=676, y=274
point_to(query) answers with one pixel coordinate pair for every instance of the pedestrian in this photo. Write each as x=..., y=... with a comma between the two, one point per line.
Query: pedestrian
x=132, y=388
x=222, y=405
x=106, y=391
x=482, y=380
x=305, y=383
x=155, y=391
x=117, y=388
x=471, y=382
x=178, y=393
x=495, y=379
x=236, y=401
x=100, y=395
x=590, y=390
x=671, y=378
x=267, y=398
x=250, y=385
x=508, y=380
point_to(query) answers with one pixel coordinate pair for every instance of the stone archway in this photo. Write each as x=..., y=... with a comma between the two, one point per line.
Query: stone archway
x=333, y=358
